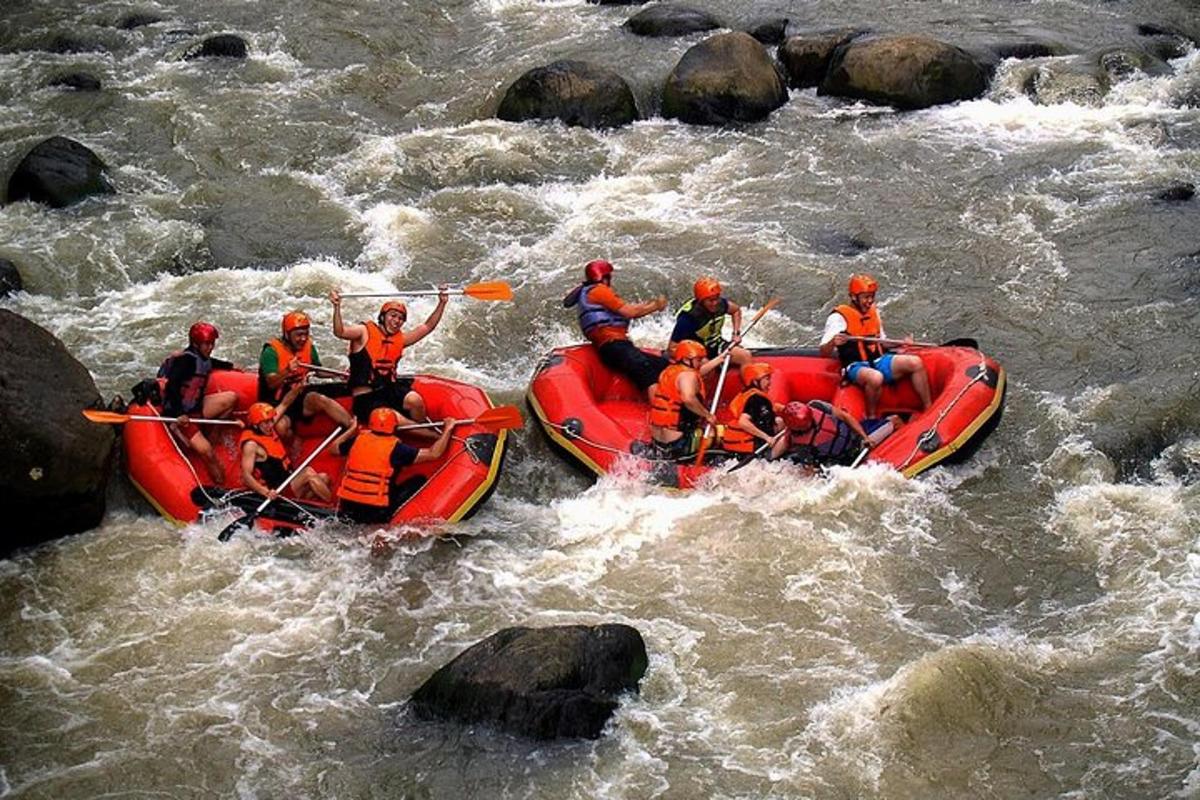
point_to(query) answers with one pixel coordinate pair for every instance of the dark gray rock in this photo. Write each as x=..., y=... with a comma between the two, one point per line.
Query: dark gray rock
x=545, y=683
x=69, y=43
x=838, y=243
x=10, y=278
x=138, y=19
x=1179, y=193
x=907, y=72
x=80, y=81
x=1164, y=41
x=223, y=45
x=575, y=92
x=54, y=464
x=670, y=20
x=1026, y=48
x=771, y=31
x=58, y=172
x=805, y=58
x=1120, y=63
x=1076, y=80
x=728, y=78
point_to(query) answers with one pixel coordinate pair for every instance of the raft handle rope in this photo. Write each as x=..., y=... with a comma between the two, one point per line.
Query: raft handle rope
x=569, y=432
x=932, y=430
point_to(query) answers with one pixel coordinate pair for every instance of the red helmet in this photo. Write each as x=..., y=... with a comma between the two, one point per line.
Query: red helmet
x=383, y=420
x=706, y=289
x=597, y=270
x=797, y=415
x=293, y=320
x=393, y=305
x=203, y=333
x=860, y=284
x=260, y=413
x=688, y=348
x=752, y=372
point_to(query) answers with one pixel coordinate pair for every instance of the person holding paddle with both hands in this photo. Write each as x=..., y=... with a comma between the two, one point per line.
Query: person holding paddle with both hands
x=264, y=460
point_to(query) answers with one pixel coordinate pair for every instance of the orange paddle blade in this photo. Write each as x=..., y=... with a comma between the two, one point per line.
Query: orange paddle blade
x=500, y=418
x=105, y=417
x=762, y=312
x=489, y=290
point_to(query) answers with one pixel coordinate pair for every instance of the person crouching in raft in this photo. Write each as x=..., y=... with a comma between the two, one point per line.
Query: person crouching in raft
x=187, y=372
x=265, y=463
x=375, y=348
x=703, y=318
x=604, y=319
x=281, y=366
x=368, y=493
x=867, y=364
x=820, y=434
x=677, y=408
x=754, y=420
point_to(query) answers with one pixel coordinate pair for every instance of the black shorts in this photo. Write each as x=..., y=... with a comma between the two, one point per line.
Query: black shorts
x=295, y=412
x=623, y=357
x=364, y=514
x=682, y=448
x=271, y=472
x=390, y=395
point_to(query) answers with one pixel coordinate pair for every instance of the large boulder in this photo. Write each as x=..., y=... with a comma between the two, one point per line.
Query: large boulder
x=805, y=58
x=54, y=464
x=58, y=172
x=544, y=683
x=223, y=45
x=10, y=278
x=1075, y=80
x=670, y=20
x=908, y=72
x=770, y=31
x=726, y=78
x=575, y=92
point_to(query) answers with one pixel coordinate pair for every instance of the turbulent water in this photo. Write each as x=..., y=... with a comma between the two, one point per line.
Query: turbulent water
x=1026, y=624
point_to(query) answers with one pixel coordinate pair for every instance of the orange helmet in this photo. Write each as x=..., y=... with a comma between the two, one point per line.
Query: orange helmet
x=393, y=305
x=260, y=413
x=203, y=333
x=688, y=348
x=597, y=270
x=383, y=420
x=796, y=415
x=706, y=289
x=860, y=284
x=293, y=320
x=755, y=371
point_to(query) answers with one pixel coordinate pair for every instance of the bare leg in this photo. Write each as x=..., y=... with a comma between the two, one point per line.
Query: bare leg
x=414, y=413
x=315, y=403
x=914, y=368
x=219, y=405
x=871, y=382
x=203, y=448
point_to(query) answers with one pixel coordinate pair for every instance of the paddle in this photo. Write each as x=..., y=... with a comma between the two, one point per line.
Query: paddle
x=113, y=418
x=727, y=354
x=244, y=522
x=964, y=342
x=488, y=290
x=337, y=373
x=746, y=459
x=494, y=419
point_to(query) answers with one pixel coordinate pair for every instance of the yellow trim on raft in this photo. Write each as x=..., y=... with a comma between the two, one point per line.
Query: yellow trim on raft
x=162, y=511
x=938, y=455
x=486, y=484
x=558, y=438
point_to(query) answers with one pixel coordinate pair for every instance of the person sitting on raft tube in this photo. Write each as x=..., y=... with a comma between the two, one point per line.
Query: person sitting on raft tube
x=281, y=367
x=264, y=459
x=375, y=348
x=754, y=415
x=368, y=493
x=604, y=319
x=702, y=319
x=820, y=434
x=867, y=364
x=677, y=409
x=187, y=372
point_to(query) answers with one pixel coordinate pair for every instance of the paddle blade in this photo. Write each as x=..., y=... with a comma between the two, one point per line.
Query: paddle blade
x=500, y=418
x=241, y=523
x=105, y=417
x=767, y=306
x=489, y=290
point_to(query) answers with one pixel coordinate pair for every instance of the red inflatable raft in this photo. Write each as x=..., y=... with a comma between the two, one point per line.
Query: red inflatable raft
x=598, y=418
x=446, y=490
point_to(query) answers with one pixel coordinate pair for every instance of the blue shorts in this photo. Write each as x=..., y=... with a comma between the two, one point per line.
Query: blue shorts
x=883, y=364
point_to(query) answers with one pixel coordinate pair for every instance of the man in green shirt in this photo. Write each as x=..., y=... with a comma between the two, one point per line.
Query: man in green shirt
x=281, y=366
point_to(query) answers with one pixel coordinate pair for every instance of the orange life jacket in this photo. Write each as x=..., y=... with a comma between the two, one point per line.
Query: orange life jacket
x=736, y=439
x=368, y=477
x=667, y=409
x=284, y=355
x=860, y=324
x=376, y=362
x=270, y=442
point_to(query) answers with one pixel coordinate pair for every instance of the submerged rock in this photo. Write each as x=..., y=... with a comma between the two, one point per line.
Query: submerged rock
x=10, y=278
x=545, y=683
x=670, y=20
x=80, y=81
x=223, y=45
x=805, y=58
x=54, y=464
x=1074, y=80
x=138, y=19
x=58, y=172
x=575, y=92
x=770, y=31
x=727, y=78
x=908, y=72
x=1179, y=193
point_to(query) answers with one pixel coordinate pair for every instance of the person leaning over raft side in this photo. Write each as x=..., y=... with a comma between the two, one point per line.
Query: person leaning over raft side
x=702, y=319
x=867, y=364
x=604, y=318
x=367, y=494
x=264, y=460
x=754, y=420
x=821, y=435
x=375, y=347
x=187, y=372
x=677, y=408
x=280, y=367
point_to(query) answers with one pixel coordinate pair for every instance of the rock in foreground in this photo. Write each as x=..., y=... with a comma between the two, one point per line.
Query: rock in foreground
x=545, y=683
